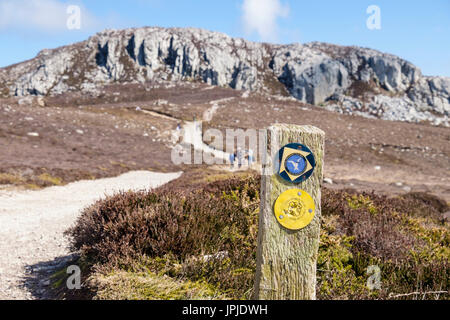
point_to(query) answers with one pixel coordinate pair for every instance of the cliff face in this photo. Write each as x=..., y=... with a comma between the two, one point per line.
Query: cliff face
x=345, y=79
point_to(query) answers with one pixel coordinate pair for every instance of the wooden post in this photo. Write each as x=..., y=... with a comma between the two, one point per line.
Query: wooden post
x=286, y=259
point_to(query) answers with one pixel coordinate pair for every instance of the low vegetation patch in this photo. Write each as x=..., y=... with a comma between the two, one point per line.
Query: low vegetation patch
x=198, y=241
x=125, y=285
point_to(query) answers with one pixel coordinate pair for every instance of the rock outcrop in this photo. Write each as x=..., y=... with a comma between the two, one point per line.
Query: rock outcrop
x=346, y=79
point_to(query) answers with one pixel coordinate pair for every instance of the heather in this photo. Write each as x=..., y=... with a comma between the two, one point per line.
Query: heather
x=195, y=238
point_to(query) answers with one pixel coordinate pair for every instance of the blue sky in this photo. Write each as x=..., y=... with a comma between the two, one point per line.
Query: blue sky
x=418, y=31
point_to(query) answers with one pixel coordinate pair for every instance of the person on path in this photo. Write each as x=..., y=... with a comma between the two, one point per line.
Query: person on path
x=232, y=157
x=240, y=156
x=250, y=157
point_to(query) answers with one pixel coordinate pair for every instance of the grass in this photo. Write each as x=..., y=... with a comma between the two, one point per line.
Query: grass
x=38, y=178
x=30, y=181
x=14, y=179
x=49, y=179
x=123, y=285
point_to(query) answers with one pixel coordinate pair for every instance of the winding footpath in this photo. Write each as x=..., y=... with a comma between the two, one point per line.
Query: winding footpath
x=32, y=224
x=192, y=134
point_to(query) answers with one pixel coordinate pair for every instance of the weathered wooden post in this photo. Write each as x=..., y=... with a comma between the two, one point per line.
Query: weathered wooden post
x=288, y=236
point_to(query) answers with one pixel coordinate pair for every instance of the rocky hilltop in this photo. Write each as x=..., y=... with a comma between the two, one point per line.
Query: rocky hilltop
x=346, y=79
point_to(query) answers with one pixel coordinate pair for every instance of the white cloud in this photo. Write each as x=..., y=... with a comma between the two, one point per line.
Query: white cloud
x=40, y=15
x=261, y=16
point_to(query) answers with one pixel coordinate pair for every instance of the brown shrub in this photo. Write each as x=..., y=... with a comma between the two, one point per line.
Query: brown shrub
x=376, y=221
x=187, y=224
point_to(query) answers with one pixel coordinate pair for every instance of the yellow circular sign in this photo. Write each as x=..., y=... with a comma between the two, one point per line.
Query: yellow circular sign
x=294, y=209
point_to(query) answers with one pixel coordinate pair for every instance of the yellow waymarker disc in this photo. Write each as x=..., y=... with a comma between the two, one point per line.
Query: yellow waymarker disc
x=294, y=209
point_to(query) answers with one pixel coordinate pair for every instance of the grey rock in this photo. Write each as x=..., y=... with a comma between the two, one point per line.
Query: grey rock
x=309, y=75
x=45, y=282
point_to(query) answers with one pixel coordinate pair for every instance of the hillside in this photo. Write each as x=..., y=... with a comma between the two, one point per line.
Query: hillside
x=350, y=80
x=73, y=136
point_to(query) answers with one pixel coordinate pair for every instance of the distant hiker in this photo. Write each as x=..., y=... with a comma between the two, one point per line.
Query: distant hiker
x=176, y=135
x=250, y=157
x=232, y=157
x=240, y=156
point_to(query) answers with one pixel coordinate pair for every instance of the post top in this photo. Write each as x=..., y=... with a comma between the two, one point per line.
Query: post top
x=298, y=128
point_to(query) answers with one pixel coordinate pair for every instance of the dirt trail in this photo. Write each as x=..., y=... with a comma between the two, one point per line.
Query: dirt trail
x=32, y=225
x=193, y=135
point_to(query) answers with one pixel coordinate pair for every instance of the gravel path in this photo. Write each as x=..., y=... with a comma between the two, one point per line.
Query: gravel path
x=32, y=223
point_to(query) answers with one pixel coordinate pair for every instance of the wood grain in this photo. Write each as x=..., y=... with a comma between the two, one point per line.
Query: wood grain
x=286, y=259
